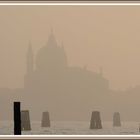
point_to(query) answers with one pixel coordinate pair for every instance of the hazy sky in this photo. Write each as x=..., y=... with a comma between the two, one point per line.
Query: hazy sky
x=107, y=36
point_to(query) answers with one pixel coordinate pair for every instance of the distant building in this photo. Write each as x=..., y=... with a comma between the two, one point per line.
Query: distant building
x=52, y=73
x=50, y=80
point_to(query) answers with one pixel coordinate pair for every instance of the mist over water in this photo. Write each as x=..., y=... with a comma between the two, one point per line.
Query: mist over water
x=70, y=61
x=73, y=128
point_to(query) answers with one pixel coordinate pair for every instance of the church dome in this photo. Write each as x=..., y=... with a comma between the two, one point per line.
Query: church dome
x=51, y=56
x=52, y=41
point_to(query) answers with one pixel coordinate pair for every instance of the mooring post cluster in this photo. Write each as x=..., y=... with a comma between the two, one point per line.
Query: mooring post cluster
x=22, y=119
x=96, y=123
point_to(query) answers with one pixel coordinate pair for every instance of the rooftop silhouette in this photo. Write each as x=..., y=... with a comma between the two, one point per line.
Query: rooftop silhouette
x=57, y=85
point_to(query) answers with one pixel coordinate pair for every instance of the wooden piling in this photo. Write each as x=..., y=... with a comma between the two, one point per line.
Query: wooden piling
x=95, y=122
x=45, y=119
x=25, y=120
x=17, y=119
x=116, y=119
x=139, y=128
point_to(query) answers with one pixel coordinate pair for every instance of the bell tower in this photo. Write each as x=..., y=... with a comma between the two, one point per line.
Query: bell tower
x=29, y=68
x=29, y=60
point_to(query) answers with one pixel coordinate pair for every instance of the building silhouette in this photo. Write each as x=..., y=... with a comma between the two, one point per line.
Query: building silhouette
x=68, y=92
x=51, y=82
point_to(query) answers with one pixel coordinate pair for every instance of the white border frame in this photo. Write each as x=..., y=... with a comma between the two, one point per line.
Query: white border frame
x=88, y=3
x=69, y=137
x=71, y=3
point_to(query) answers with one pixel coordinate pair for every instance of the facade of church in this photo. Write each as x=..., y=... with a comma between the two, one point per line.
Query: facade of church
x=56, y=86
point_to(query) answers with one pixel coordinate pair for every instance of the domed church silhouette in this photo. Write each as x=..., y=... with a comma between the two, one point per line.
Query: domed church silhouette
x=50, y=83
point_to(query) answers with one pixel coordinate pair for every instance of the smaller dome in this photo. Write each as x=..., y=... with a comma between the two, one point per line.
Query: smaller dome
x=51, y=40
x=51, y=56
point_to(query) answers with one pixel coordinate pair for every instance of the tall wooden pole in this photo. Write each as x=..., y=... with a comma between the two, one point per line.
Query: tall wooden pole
x=17, y=119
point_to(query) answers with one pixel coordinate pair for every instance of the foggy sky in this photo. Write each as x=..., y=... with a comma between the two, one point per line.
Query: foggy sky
x=95, y=36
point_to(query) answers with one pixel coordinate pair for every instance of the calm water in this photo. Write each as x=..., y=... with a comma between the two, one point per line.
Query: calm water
x=73, y=128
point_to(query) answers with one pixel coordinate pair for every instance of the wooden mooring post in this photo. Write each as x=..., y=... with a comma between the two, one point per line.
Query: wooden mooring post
x=95, y=122
x=45, y=122
x=116, y=119
x=25, y=120
x=17, y=119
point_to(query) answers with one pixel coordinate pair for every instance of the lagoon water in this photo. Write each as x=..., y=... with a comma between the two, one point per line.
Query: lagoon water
x=73, y=128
